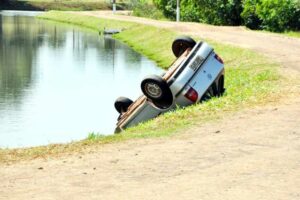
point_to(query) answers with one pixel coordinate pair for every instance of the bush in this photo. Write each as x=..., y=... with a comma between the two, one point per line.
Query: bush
x=276, y=15
x=168, y=7
x=219, y=12
x=142, y=8
x=199, y=11
x=249, y=15
x=272, y=15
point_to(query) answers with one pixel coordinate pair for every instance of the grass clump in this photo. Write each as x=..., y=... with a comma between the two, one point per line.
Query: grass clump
x=250, y=80
x=293, y=34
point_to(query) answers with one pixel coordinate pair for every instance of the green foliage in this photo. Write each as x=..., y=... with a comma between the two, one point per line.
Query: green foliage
x=142, y=8
x=217, y=12
x=272, y=15
x=279, y=15
x=191, y=11
x=249, y=15
x=168, y=7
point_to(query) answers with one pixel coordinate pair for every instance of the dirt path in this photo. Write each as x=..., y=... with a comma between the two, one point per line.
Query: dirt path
x=284, y=50
x=254, y=154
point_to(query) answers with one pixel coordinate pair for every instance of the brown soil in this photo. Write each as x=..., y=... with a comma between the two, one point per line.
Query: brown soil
x=254, y=154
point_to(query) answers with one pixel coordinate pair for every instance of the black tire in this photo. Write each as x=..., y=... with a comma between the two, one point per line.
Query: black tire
x=157, y=90
x=181, y=44
x=221, y=88
x=215, y=90
x=122, y=104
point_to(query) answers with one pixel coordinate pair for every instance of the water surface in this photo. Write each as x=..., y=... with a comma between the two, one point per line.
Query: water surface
x=58, y=82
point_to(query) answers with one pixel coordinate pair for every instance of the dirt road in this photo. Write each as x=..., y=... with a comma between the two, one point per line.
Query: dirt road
x=284, y=50
x=254, y=154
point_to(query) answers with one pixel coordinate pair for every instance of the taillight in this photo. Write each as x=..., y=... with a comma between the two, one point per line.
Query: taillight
x=219, y=58
x=192, y=95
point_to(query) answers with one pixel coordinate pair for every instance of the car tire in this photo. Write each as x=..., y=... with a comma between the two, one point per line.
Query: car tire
x=212, y=91
x=221, y=88
x=181, y=44
x=157, y=90
x=122, y=104
x=217, y=88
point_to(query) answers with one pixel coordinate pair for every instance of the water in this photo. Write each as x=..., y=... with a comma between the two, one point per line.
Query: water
x=58, y=83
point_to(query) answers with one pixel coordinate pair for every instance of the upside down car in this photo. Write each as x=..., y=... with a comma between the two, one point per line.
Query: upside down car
x=196, y=74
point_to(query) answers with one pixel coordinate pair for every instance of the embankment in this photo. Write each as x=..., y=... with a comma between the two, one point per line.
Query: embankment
x=251, y=80
x=59, y=5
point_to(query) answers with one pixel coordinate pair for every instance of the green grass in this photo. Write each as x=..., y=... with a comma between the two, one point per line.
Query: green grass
x=89, y=22
x=66, y=5
x=250, y=79
x=293, y=34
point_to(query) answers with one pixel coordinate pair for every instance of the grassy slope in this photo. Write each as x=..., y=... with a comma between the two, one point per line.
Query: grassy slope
x=63, y=5
x=251, y=80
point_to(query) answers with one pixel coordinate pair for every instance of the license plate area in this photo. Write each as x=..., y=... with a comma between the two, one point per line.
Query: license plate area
x=197, y=62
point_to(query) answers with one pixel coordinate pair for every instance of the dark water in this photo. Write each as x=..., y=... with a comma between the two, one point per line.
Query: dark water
x=58, y=83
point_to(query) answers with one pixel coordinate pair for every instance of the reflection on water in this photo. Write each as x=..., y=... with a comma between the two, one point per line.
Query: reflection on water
x=58, y=83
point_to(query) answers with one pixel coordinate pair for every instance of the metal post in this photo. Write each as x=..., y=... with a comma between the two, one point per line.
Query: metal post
x=114, y=6
x=178, y=11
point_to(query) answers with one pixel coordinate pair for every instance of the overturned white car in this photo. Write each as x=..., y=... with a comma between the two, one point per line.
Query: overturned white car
x=196, y=74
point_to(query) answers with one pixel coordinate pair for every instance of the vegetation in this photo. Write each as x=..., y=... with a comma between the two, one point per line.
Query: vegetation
x=272, y=15
x=206, y=11
x=145, y=8
x=61, y=4
x=293, y=34
x=251, y=80
x=168, y=7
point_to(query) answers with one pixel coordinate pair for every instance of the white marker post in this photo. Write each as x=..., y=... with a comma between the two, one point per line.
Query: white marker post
x=178, y=11
x=114, y=6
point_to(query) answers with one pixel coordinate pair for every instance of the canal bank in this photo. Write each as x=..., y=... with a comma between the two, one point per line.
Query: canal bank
x=59, y=74
x=251, y=80
x=45, y=5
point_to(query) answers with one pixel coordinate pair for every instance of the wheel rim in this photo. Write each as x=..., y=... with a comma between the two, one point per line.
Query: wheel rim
x=153, y=90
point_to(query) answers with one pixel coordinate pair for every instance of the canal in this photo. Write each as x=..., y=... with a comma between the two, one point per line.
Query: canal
x=58, y=83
